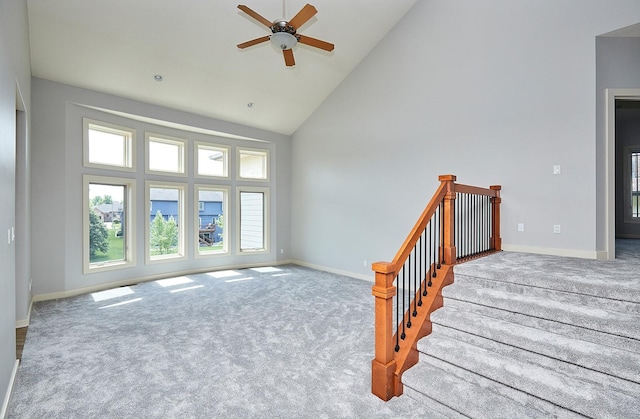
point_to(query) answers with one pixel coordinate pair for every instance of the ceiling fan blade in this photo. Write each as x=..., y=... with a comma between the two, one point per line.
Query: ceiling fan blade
x=255, y=15
x=288, y=57
x=307, y=40
x=253, y=42
x=306, y=13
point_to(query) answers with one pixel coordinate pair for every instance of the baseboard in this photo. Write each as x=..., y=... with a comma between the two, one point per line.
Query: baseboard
x=132, y=281
x=573, y=253
x=369, y=278
x=9, y=392
x=25, y=322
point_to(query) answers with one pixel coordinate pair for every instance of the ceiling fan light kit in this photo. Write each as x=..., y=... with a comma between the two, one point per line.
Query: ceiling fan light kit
x=284, y=34
x=283, y=40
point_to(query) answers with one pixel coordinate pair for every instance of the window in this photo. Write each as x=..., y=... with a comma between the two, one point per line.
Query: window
x=165, y=155
x=108, y=146
x=212, y=228
x=635, y=183
x=108, y=223
x=252, y=164
x=253, y=204
x=211, y=160
x=201, y=206
x=165, y=225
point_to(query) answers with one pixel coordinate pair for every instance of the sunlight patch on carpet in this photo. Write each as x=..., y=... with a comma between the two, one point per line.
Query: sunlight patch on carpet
x=112, y=293
x=170, y=282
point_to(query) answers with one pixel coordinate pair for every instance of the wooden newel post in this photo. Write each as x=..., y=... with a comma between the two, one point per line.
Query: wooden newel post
x=383, y=366
x=496, y=240
x=449, y=219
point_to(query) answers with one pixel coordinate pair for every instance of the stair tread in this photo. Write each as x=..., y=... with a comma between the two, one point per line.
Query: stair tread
x=537, y=304
x=598, y=357
x=567, y=330
x=578, y=296
x=426, y=382
x=610, y=279
x=580, y=390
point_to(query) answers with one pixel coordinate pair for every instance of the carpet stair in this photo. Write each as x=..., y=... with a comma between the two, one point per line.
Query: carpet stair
x=530, y=348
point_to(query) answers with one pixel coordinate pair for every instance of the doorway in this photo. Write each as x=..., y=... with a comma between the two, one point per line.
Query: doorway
x=622, y=145
x=627, y=174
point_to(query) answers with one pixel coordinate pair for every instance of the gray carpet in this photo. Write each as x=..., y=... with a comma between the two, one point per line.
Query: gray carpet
x=534, y=336
x=285, y=342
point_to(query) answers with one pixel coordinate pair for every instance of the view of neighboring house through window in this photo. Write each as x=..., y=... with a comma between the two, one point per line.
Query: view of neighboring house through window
x=166, y=221
x=252, y=216
x=108, y=145
x=107, y=223
x=211, y=160
x=210, y=231
x=252, y=164
x=165, y=155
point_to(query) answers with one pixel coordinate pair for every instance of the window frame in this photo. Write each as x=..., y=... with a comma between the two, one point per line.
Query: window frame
x=266, y=219
x=253, y=151
x=130, y=144
x=213, y=147
x=181, y=221
x=183, y=152
x=225, y=211
x=129, y=209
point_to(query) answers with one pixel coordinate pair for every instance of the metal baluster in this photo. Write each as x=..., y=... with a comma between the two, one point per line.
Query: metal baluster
x=409, y=295
x=403, y=335
x=421, y=252
x=397, y=348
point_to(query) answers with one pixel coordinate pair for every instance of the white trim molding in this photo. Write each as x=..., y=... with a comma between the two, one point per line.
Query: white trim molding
x=7, y=396
x=610, y=154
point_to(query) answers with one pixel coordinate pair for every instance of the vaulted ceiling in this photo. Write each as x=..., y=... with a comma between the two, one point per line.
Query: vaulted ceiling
x=118, y=46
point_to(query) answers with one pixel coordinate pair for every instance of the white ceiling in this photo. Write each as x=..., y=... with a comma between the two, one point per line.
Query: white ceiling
x=117, y=46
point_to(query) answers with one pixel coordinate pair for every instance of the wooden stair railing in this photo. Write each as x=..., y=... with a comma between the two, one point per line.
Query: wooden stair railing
x=444, y=235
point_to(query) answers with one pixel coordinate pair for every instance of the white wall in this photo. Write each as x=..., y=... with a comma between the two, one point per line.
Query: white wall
x=14, y=75
x=495, y=92
x=57, y=172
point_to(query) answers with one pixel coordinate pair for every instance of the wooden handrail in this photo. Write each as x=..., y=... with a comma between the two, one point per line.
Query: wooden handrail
x=392, y=359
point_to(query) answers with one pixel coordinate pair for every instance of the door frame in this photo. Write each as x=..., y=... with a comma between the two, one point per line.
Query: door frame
x=610, y=141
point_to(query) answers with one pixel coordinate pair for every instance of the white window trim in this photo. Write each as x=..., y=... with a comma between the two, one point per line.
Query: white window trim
x=225, y=227
x=130, y=225
x=267, y=220
x=166, y=139
x=215, y=147
x=130, y=156
x=254, y=151
x=182, y=222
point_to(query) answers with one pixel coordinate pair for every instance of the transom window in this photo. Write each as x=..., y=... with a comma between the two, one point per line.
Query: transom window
x=212, y=160
x=108, y=146
x=252, y=164
x=166, y=155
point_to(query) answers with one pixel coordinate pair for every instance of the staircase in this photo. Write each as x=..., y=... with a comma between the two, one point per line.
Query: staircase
x=533, y=336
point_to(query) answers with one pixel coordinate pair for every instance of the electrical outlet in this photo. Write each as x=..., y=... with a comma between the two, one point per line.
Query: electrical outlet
x=557, y=170
x=556, y=228
x=282, y=251
x=520, y=226
x=364, y=263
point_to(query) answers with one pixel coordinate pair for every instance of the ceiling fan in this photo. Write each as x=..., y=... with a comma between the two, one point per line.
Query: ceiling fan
x=284, y=33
